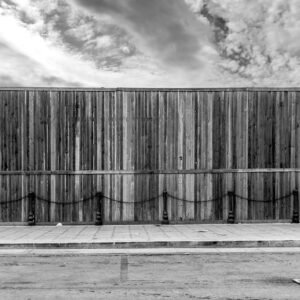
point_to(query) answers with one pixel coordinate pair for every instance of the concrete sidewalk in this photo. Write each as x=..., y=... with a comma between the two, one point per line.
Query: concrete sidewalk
x=150, y=236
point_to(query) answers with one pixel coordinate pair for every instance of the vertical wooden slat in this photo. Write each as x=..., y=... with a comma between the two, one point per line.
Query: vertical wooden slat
x=77, y=188
x=180, y=158
x=297, y=135
x=161, y=148
x=228, y=155
x=190, y=154
x=242, y=155
x=22, y=103
x=149, y=130
x=31, y=142
x=202, y=152
x=209, y=178
x=293, y=126
x=127, y=159
x=2, y=124
x=297, y=132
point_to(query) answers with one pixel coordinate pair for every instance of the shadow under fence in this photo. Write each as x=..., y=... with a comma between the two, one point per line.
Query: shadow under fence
x=231, y=199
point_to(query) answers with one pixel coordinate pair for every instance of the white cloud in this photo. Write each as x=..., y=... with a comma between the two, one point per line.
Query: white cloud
x=47, y=61
x=165, y=30
x=157, y=44
x=95, y=52
x=82, y=31
x=195, y=5
x=261, y=39
x=41, y=62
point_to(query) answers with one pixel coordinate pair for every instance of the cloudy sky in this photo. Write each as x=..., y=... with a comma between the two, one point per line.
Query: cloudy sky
x=143, y=43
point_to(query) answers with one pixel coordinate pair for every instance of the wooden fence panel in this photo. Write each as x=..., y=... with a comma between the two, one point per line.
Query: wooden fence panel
x=195, y=144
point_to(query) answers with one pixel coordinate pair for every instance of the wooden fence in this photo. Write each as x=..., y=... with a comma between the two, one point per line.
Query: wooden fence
x=65, y=145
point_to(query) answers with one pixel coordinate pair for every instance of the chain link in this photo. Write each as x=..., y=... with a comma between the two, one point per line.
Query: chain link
x=147, y=200
x=65, y=203
x=132, y=202
x=13, y=201
x=264, y=201
x=199, y=201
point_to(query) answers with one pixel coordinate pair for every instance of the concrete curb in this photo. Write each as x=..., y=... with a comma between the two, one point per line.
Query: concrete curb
x=144, y=251
x=154, y=244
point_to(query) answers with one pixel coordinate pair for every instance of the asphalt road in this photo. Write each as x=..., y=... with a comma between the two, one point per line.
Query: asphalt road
x=195, y=276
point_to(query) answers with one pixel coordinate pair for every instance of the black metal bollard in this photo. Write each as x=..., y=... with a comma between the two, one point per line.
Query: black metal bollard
x=165, y=219
x=231, y=213
x=99, y=197
x=31, y=209
x=295, y=218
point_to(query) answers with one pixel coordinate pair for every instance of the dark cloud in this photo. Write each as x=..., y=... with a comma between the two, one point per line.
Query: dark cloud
x=81, y=36
x=167, y=28
x=221, y=31
x=218, y=23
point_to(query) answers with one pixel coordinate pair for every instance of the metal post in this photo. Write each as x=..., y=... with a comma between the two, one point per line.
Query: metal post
x=31, y=209
x=231, y=213
x=165, y=211
x=295, y=218
x=99, y=197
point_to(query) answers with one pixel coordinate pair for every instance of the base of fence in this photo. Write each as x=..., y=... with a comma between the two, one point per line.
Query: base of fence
x=99, y=197
x=165, y=220
x=231, y=213
x=230, y=219
x=31, y=209
x=295, y=218
x=31, y=219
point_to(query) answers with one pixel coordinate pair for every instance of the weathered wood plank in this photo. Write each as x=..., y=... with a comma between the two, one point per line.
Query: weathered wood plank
x=132, y=144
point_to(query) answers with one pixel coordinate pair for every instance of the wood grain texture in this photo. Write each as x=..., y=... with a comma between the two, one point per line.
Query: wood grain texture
x=132, y=144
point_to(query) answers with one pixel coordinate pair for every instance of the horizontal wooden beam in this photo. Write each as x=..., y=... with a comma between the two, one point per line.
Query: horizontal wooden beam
x=145, y=172
x=120, y=89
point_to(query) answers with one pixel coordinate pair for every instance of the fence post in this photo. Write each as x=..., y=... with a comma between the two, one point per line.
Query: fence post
x=31, y=209
x=165, y=219
x=295, y=218
x=99, y=197
x=231, y=212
